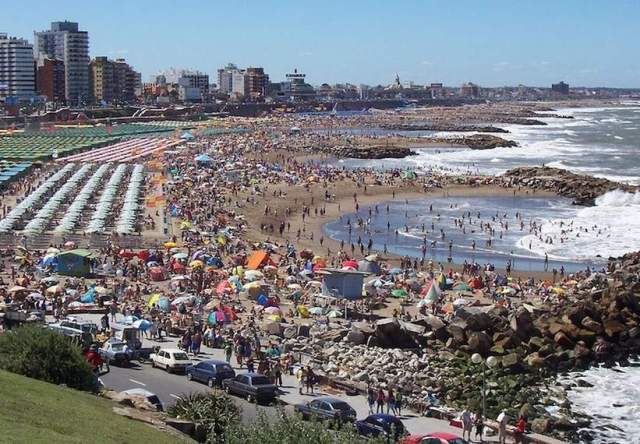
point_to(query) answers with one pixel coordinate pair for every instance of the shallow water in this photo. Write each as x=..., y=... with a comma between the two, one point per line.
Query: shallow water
x=509, y=243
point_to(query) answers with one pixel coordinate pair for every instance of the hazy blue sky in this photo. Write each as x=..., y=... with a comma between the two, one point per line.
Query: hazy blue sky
x=493, y=43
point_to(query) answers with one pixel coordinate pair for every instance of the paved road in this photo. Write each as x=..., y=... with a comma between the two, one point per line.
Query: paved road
x=169, y=387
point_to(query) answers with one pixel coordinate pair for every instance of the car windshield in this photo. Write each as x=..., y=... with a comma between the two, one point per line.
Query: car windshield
x=223, y=368
x=341, y=405
x=457, y=441
x=117, y=347
x=180, y=356
x=89, y=328
x=260, y=380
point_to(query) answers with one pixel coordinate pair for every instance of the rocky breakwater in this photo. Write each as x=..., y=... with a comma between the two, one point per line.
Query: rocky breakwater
x=370, y=151
x=581, y=188
x=596, y=321
x=475, y=141
x=442, y=127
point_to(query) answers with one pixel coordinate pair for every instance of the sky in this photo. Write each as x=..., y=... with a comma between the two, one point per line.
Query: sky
x=488, y=42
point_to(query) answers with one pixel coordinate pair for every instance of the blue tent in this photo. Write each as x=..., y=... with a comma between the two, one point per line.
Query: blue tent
x=204, y=158
x=345, y=284
x=187, y=136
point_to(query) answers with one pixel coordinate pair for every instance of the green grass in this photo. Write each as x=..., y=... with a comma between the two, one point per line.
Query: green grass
x=33, y=411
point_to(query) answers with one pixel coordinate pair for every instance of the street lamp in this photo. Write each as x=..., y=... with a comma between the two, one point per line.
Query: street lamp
x=490, y=362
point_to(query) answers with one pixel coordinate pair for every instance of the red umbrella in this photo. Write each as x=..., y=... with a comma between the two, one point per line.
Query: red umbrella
x=222, y=287
x=350, y=264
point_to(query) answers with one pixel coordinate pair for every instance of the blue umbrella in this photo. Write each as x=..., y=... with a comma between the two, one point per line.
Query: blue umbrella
x=142, y=324
x=395, y=270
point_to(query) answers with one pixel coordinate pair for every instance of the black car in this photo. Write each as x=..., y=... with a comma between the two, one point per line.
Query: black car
x=253, y=386
x=211, y=372
x=381, y=425
x=326, y=407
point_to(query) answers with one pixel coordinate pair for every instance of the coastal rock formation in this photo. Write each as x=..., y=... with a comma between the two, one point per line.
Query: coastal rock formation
x=371, y=151
x=443, y=127
x=475, y=141
x=582, y=189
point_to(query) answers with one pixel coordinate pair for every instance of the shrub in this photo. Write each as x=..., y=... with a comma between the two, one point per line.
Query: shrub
x=289, y=429
x=213, y=412
x=46, y=355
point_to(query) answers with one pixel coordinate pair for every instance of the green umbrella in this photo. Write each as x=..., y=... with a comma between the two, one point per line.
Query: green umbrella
x=399, y=293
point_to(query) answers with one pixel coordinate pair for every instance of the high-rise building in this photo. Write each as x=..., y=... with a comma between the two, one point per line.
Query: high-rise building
x=50, y=79
x=195, y=79
x=226, y=76
x=469, y=90
x=560, y=88
x=112, y=80
x=17, y=77
x=64, y=41
x=255, y=84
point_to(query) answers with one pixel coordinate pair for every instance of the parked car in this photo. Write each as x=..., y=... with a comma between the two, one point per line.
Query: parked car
x=434, y=438
x=211, y=372
x=327, y=408
x=381, y=425
x=116, y=351
x=170, y=359
x=253, y=386
x=149, y=396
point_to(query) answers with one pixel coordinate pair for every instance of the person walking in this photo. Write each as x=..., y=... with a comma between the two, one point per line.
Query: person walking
x=311, y=379
x=479, y=423
x=371, y=399
x=502, y=419
x=380, y=399
x=228, y=350
x=301, y=376
x=467, y=423
x=277, y=373
x=399, y=403
x=391, y=402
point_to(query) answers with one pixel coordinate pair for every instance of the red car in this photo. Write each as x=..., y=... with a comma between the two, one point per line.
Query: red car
x=434, y=438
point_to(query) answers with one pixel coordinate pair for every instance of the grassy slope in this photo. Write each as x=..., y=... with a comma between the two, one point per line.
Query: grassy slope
x=32, y=411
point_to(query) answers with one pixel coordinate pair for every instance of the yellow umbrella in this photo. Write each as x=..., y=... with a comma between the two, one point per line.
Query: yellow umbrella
x=54, y=289
x=170, y=245
x=153, y=300
x=101, y=290
x=304, y=312
x=196, y=264
x=185, y=225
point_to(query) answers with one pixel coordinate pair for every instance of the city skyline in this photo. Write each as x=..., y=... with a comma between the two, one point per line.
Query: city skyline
x=497, y=44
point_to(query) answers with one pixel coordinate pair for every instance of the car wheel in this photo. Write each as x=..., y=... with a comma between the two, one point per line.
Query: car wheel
x=189, y=376
x=211, y=382
x=250, y=398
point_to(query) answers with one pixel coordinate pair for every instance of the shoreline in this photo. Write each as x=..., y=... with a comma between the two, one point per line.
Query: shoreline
x=344, y=204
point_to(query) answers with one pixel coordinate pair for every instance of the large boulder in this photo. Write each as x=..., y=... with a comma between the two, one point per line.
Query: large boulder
x=356, y=337
x=479, y=342
x=591, y=325
x=521, y=322
x=613, y=327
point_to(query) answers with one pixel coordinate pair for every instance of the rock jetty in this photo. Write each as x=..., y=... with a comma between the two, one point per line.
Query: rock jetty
x=475, y=141
x=370, y=151
x=442, y=127
x=581, y=188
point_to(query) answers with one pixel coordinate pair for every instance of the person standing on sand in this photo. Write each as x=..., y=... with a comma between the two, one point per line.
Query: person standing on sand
x=502, y=420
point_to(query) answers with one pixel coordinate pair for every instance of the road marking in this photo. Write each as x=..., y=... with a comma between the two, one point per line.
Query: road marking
x=138, y=382
x=175, y=396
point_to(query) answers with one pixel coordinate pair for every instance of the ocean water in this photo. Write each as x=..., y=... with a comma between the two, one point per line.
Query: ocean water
x=613, y=402
x=427, y=219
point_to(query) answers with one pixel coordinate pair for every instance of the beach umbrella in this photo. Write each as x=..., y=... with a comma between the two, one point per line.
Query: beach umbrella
x=163, y=304
x=372, y=258
x=395, y=270
x=334, y=314
x=272, y=310
x=461, y=286
x=52, y=250
x=51, y=280
x=180, y=256
x=294, y=287
x=187, y=300
x=253, y=275
x=254, y=284
x=350, y=264
x=211, y=305
x=316, y=310
x=180, y=277
x=54, y=289
x=142, y=324
x=222, y=287
x=399, y=293
x=185, y=225
x=16, y=289
x=170, y=245
x=303, y=310
x=153, y=300
x=196, y=264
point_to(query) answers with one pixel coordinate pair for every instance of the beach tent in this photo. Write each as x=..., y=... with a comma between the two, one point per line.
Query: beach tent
x=369, y=267
x=345, y=284
x=187, y=136
x=157, y=274
x=75, y=263
x=259, y=259
x=204, y=159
